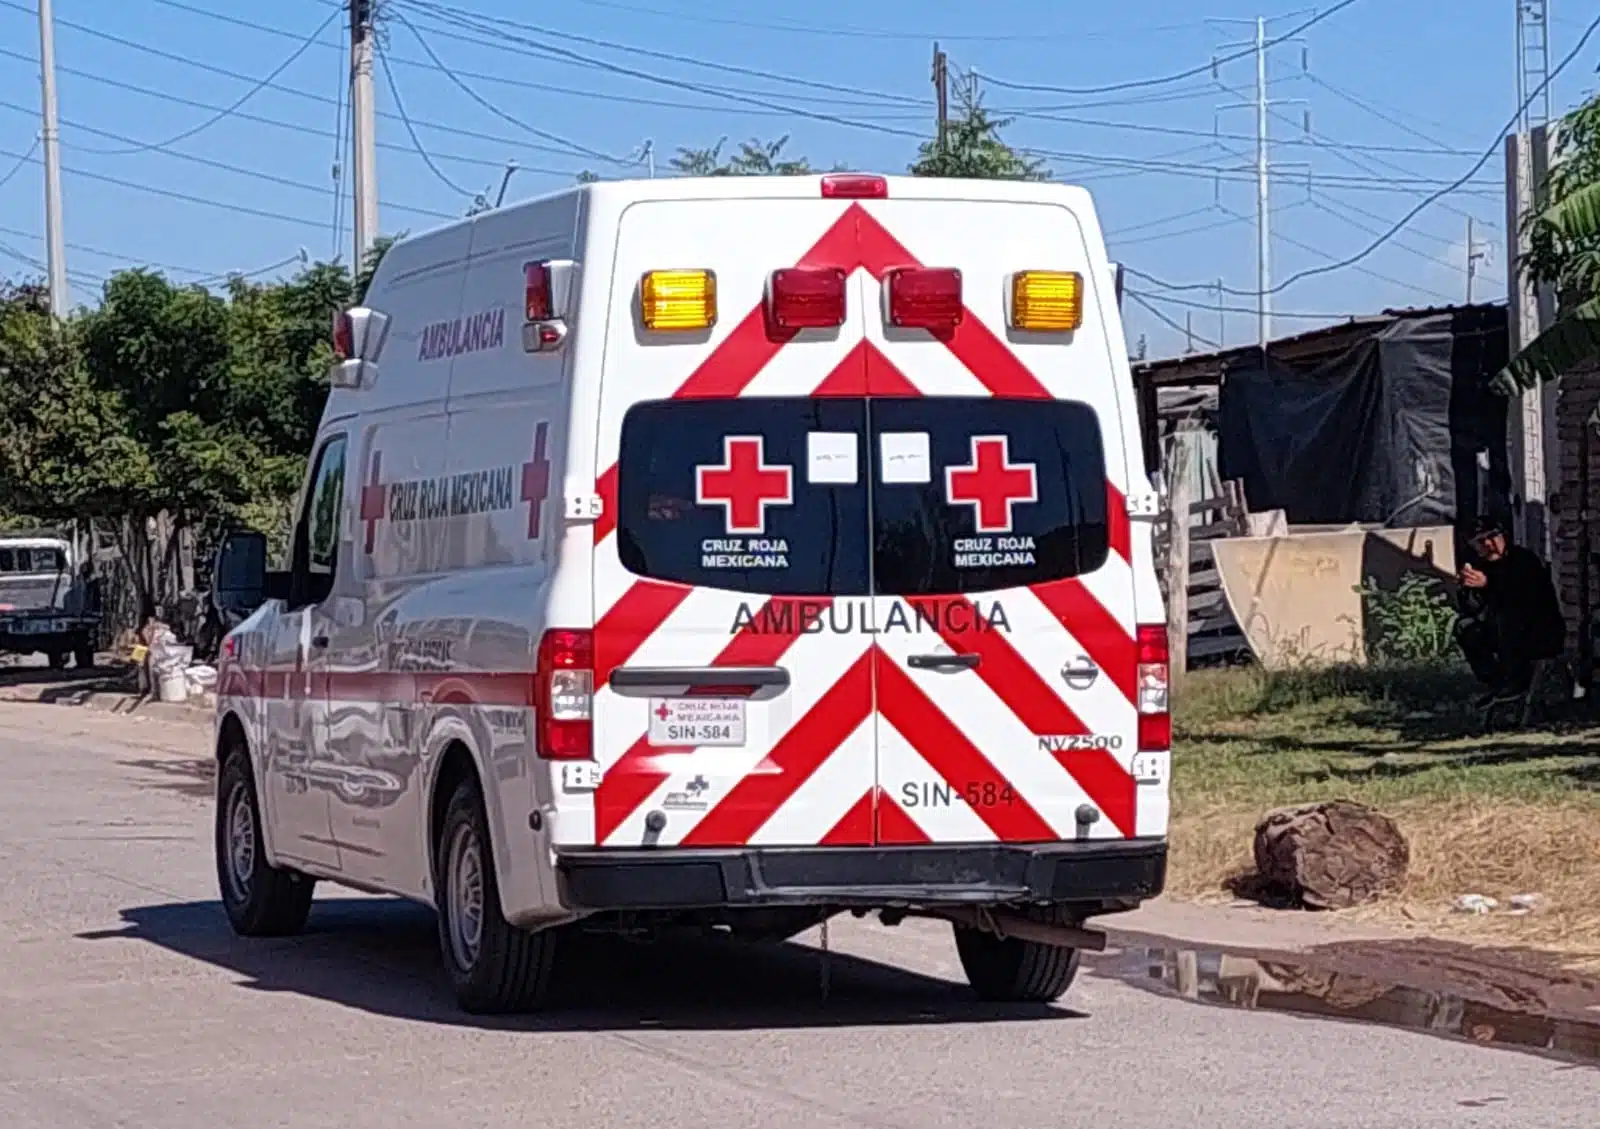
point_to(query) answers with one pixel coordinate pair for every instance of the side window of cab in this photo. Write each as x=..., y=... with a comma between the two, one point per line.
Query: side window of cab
x=316, y=534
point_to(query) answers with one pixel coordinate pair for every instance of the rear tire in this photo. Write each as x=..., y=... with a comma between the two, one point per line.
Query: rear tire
x=56, y=659
x=1008, y=970
x=494, y=967
x=261, y=900
x=83, y=655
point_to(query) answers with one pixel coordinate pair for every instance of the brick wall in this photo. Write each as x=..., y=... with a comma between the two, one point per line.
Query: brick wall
x=1577, y=397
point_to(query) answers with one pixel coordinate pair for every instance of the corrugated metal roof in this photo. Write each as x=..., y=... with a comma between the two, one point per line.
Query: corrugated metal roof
x=1201, y=367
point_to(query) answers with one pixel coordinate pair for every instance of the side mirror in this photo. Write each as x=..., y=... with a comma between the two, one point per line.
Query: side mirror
x=240, y=581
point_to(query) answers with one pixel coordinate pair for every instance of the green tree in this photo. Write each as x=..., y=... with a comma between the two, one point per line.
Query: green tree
x=1564, y=242
x=754, y=158
x=972, y=147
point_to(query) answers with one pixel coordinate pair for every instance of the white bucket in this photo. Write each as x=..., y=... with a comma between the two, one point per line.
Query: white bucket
x=173, y=686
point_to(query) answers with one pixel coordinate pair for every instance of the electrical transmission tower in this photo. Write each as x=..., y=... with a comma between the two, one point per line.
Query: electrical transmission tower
x=1533, y=64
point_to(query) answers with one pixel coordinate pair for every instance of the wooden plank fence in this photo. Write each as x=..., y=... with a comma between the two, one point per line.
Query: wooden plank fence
x=1212, y=631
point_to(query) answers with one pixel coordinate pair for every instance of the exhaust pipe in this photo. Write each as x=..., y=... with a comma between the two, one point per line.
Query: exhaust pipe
x=1005, y=923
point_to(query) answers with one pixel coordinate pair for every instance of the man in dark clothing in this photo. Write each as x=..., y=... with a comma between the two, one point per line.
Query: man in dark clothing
x=1510, y=615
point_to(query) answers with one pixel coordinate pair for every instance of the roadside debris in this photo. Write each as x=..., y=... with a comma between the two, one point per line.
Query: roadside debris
x=1330, y=855
x=1520, y=905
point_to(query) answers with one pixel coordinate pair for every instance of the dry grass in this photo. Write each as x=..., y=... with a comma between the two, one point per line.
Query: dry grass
x=1498, y=814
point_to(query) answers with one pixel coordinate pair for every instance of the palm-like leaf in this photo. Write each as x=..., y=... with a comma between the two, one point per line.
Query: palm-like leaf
x=1576, y=219
x=1571, y=341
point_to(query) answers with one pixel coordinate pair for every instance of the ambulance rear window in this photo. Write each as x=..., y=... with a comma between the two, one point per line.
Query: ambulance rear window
x=976, y=494
x=848, y=497
x=762, y=495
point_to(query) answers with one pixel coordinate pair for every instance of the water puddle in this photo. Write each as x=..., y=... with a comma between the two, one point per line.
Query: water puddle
x=1272, y=984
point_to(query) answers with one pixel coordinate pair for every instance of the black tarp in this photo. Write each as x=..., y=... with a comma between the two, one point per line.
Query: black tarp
x=1389, y=432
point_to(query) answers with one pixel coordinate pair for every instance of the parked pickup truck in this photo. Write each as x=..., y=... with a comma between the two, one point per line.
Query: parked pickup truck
x=45, y=605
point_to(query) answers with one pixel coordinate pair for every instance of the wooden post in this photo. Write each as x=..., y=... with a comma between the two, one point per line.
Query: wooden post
x=1178, y=502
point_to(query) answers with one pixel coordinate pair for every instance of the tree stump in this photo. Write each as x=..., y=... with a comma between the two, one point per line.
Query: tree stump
x=1330, y=855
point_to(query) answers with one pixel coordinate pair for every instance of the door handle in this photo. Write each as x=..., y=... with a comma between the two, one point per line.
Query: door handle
x=944, y=662
x=752, y=683
x=320, y=642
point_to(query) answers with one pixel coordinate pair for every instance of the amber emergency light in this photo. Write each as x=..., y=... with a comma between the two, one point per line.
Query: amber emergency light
x=673, y=301
x=1046, y=301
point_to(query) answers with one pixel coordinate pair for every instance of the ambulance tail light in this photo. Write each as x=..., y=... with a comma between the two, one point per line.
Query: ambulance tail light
x=806, y=298
x=675, y=301
x=1151, y=681
x=1046, y=301
x=924, y=298
x=854, y=186
x=343, y=336
x=563, y=695
x=537, y=297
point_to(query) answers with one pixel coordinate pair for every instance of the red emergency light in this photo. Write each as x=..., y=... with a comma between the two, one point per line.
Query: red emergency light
x=538, y=302
x=854, y=186
x=807, y=297
x=924, y=298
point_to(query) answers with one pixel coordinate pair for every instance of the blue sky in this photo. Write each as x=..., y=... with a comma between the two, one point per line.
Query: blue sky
x=1400, y=99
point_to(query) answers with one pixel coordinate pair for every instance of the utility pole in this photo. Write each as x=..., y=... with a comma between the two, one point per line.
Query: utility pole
x=1188, y=332
x=941, y=93
x=50, y=136
x=1263, y=194
x=1533, y=64
x=365, y=127
x=1222, y=318
x=1262, y=104
x=1475, y=255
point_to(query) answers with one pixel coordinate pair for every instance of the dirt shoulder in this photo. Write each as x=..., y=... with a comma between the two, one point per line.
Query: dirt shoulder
x=1493, y=813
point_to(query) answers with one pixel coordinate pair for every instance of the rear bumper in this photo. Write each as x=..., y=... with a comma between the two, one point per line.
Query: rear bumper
x=1098, y=874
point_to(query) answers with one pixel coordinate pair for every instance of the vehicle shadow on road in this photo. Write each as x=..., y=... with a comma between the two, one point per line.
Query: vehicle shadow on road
x=382, y=956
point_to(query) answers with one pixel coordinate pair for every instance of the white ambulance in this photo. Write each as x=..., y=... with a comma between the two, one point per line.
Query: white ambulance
x=722, y=553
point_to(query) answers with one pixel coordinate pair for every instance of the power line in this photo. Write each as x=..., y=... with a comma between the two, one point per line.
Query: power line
x=561, y=53
x=460, y=84
x=1488, y=154
x=226, y=205
x=1405, y=220
x=299, y=127
x=464, y=18
x=1163, y=80
x=238, y=103
x=917, y=107
x=1215, y=308
x=1177, y=131
x=846, y=31
x=21, y=162
x=416, y=142
x=210, y=68
x=342, y=119
x=1158, y=314
x=100, y=252
x=254, y=174
x=1333, y=209
x=1369, y=272
x=1360, y=104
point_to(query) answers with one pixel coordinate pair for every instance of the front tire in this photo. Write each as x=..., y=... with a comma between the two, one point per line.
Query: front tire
x=494, y=967
x=261, y=900
x=1009, y=970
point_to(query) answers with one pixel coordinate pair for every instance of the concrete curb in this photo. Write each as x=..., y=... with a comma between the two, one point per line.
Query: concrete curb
x=196, y=712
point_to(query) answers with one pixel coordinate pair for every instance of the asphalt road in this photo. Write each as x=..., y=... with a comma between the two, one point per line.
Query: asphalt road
x=125, y=1001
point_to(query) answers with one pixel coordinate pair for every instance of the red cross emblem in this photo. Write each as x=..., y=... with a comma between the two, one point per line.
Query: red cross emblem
x=744, y=485
x=374, y=499
x=536, y=480
x=991, y=484
x=663, y=712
